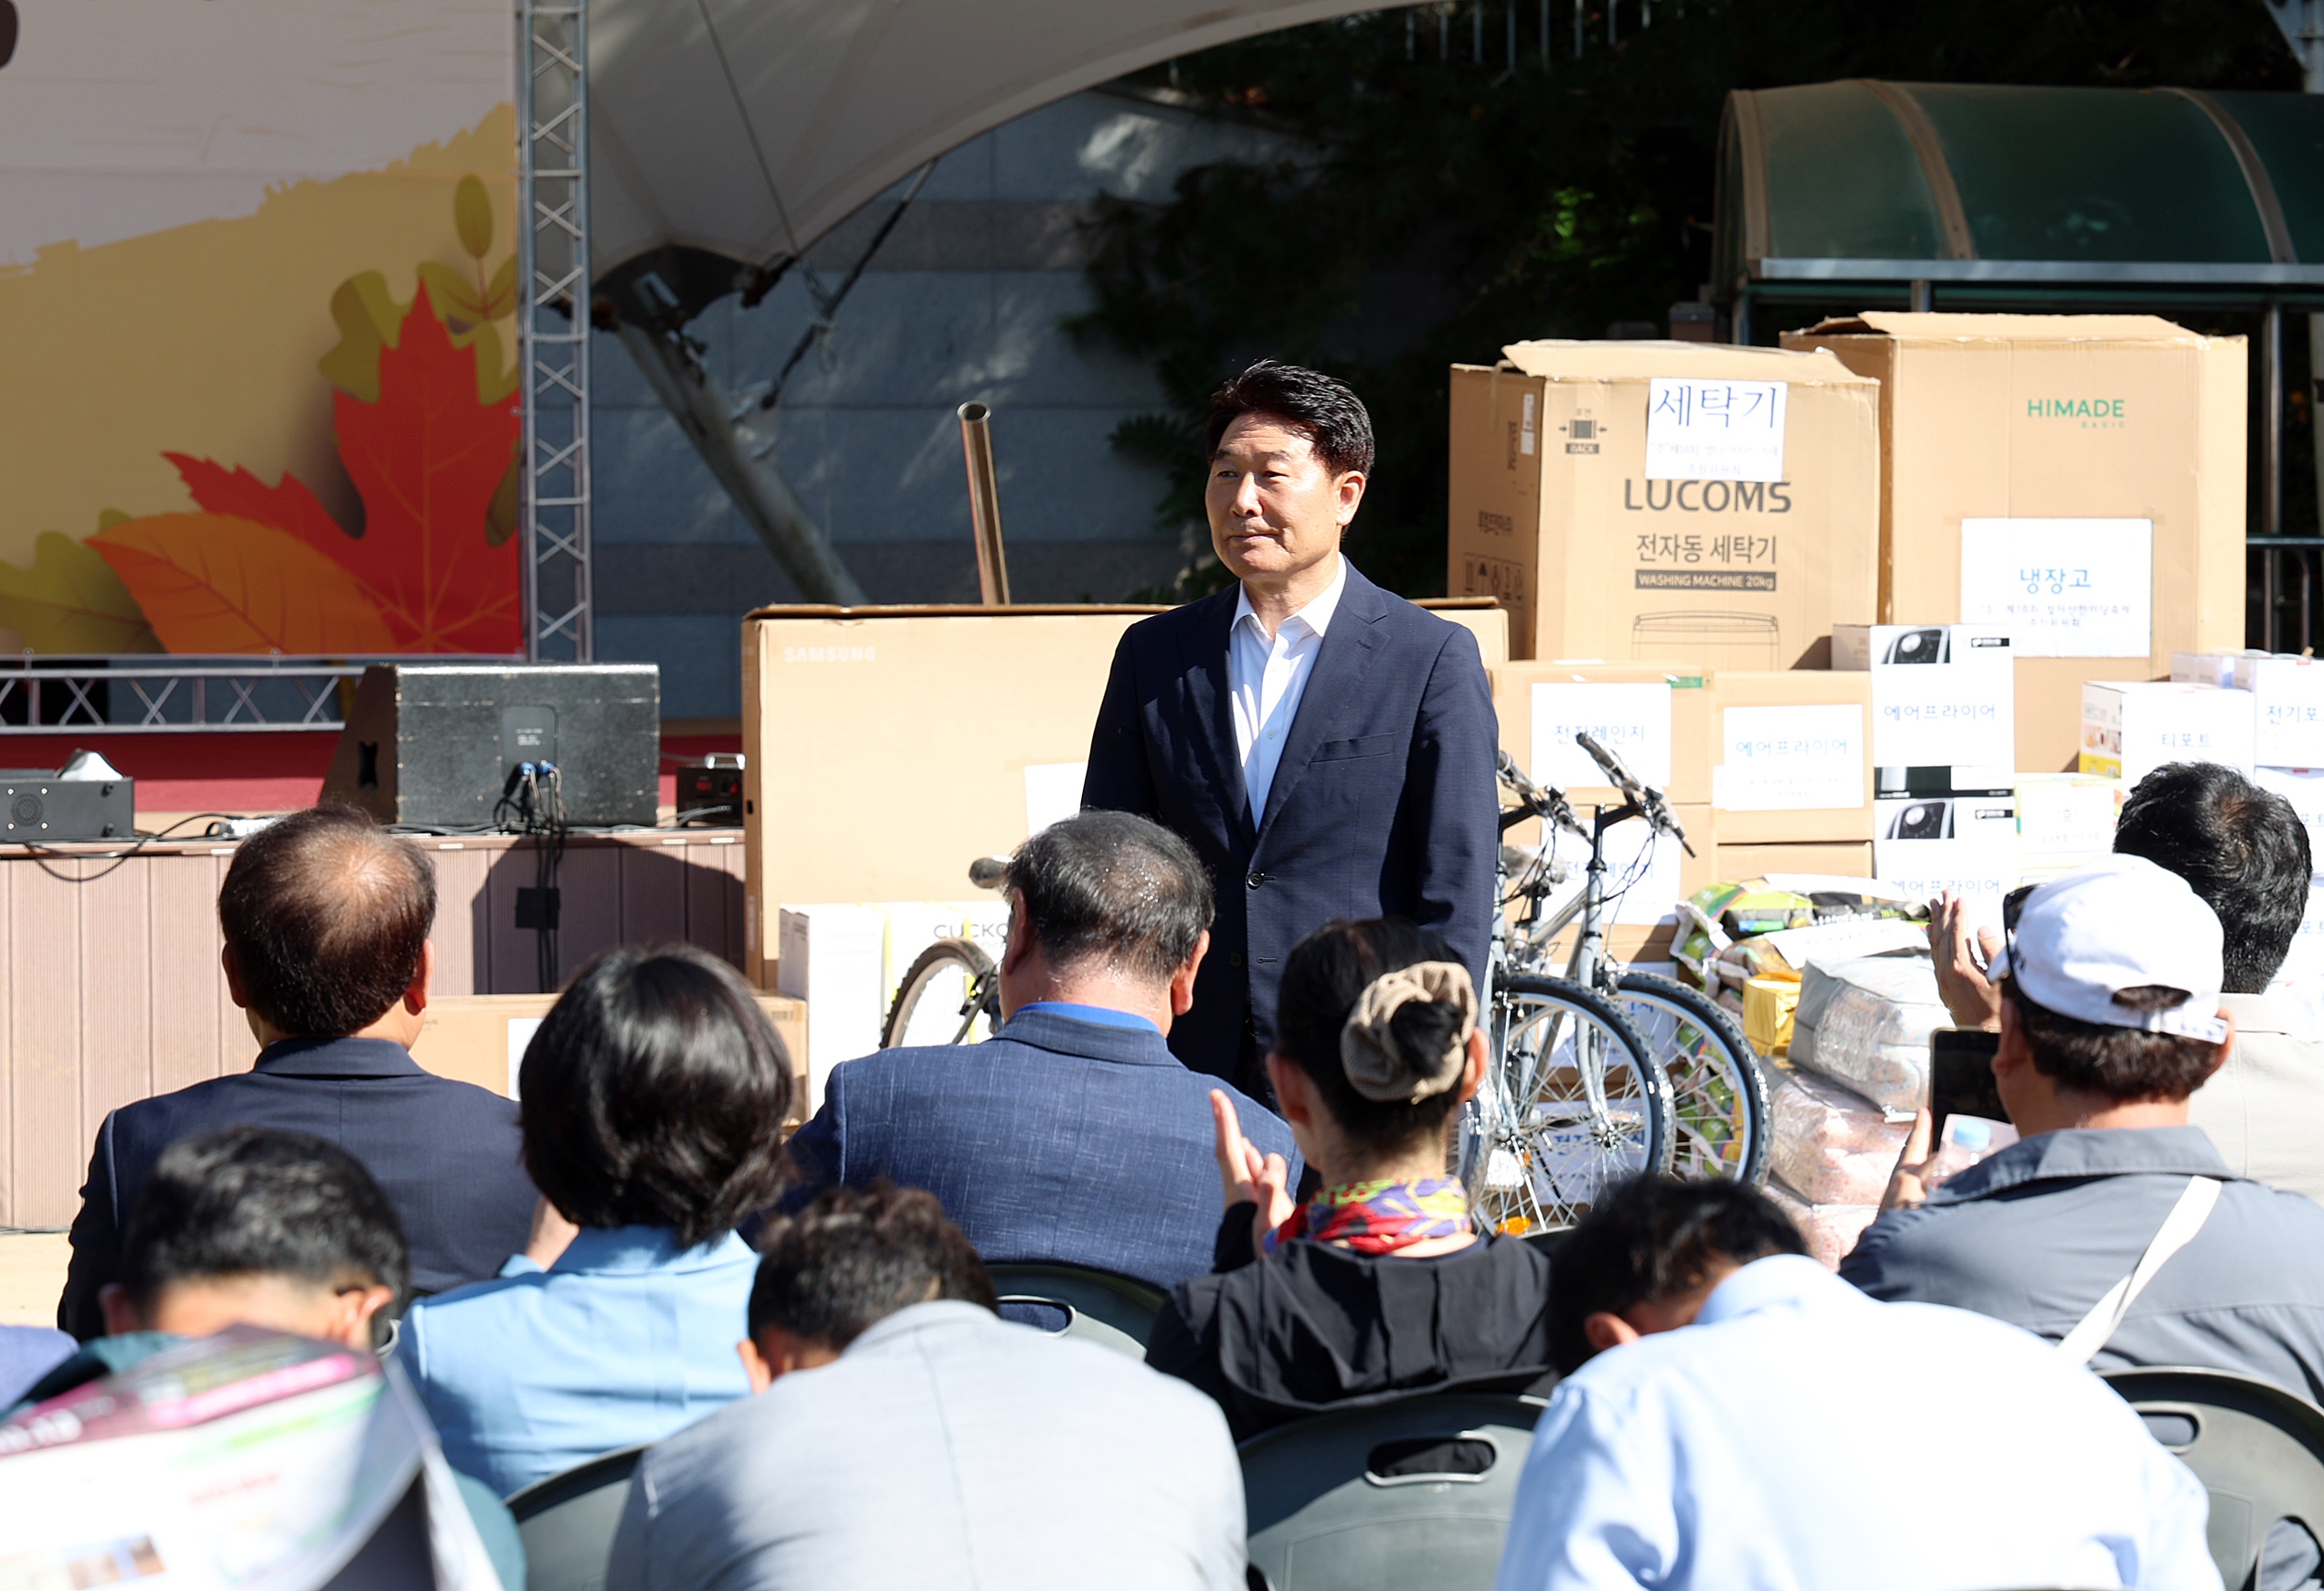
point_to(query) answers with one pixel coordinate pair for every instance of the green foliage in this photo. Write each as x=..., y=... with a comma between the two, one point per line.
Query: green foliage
x=1440, y=209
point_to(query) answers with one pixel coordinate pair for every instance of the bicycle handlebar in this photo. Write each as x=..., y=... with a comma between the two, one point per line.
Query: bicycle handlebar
x=1648, y=800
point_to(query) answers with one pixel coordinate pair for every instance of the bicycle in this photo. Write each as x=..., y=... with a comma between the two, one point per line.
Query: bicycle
x=952, y=992
x=1720, y=1099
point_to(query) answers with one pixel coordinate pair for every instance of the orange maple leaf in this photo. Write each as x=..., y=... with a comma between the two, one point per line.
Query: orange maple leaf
x=426, y=458
x=218, y=583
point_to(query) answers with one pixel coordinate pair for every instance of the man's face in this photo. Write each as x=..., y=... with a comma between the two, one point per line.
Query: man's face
x=278, y=1303
x=1275, y=507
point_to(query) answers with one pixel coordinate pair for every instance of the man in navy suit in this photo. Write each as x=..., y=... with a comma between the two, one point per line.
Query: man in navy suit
x=327, y=919
x=1072, y=1136
x=1327, y=748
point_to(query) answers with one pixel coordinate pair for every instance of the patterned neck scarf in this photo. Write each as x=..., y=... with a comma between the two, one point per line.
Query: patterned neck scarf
x=1380, y=1217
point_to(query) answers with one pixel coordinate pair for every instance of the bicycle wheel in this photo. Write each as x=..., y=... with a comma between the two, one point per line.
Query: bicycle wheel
x=1719, y=1097
x=950, y=996
x=1573, y=1102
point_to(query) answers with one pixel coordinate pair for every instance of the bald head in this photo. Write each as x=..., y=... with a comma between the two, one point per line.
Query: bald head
x=326, y=917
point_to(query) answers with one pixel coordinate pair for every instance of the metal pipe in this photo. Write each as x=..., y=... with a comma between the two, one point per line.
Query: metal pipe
x=2271, y=422
x=1923, y=297
x=984, y=503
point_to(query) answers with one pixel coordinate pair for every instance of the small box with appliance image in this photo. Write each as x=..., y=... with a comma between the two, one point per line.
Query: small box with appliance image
x=2287, y=700
x=1943, y=697
x=2130, y=727
x=1962, y=840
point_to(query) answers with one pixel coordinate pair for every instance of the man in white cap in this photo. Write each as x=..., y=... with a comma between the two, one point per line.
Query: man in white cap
x=2109, y=978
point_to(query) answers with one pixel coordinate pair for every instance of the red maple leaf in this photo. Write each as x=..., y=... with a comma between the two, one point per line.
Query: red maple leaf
x=426, y=458
x=288, y=506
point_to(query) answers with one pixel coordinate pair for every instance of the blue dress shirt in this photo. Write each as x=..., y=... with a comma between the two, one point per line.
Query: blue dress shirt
x=624, y=1340
x=1800, y=1437
x=1103, y=1016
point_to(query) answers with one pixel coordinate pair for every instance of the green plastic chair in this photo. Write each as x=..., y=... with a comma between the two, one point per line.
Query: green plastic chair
x=2258, y=1449
x=1388, y=1498
x=568, y=1521
x=1112, y=1311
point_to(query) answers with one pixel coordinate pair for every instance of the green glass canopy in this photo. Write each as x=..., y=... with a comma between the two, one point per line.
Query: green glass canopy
x=2041, y=193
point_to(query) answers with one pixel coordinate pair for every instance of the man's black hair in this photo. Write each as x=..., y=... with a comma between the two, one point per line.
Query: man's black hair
x=2126, y=1064
x=254, y=1201
x=854, y=1257
x=1323, y=977
x=1654, y=1238
x=1323, y=410
x=1113, y=888
x=2241, y=849
x=653, y=1095
x=326, y=914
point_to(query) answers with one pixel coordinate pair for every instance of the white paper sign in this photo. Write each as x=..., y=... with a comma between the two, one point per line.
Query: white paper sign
x=1784, y=758
x=1052, y=792
x=2065, y=587
x=520, y=1030
x=1642, y=872
x=1631, y=720
x=1714, y=431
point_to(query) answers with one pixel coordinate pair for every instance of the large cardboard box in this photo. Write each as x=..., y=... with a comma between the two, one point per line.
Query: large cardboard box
x=481, y=1038
x=1791, y=755
x=2077, y=478
x=888, y=747
x=2287, y=700
x=1666, y=501
x=2130, y=727
x=1657, y=719
x=1482, y=617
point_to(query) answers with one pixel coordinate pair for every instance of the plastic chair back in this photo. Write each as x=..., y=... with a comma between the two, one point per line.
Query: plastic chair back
x=1075, y=1300
x=2258, y=1449
x=1404, y=1494
x=568, y=1521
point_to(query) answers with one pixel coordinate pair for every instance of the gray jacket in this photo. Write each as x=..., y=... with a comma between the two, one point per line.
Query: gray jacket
x=2265, y=1108
x=944, y=1448
x=2036, y=1233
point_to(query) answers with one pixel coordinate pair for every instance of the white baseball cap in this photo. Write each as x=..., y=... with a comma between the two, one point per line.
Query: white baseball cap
x=2121, y=923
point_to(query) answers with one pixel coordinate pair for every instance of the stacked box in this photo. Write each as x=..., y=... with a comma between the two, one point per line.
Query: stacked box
x=2130, y=727
x=1791, y=758
x=834, y=958
x=2063, y=820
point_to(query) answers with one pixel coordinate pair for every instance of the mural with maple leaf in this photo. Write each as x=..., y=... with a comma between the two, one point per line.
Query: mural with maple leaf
x=427, y=424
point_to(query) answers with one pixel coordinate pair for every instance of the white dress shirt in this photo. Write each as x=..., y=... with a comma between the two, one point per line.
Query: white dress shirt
x=1265, y=678
x=1800, y=1437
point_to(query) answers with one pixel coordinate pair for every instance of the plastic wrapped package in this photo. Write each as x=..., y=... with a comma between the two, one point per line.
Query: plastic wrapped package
x=1831, y=1230
x=1865, y=1023
x=1831, y=1146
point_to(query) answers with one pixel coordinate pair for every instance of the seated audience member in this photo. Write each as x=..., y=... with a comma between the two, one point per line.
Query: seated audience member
x=1071, y=1136
x=903, y=1436
x=654, y=1097
x=327, y=918
x=1735, y=1415
x=1378, y=1287
x=2244, y=852
x=2110, y=1019
x=249, y=1226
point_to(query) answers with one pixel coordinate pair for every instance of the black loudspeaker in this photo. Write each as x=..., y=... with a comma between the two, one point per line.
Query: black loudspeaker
x=434, y=745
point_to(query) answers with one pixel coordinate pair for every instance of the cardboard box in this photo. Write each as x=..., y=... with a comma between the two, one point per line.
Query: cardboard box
x=2130, y=727
x=1942, y=701
x=481, y=1038
x=1791, y=755
x=2304, y=788
x=1666, y=501
x=1964, y=841
x=1658, y=718
x=888, y=747
x=2024, y=457
x=2063, y=820
x=834, y=957
x=2287, y=700
x=1824, y=859
x=1482, y=617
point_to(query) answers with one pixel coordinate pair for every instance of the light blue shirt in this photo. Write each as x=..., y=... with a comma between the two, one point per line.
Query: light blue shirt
x=1103, y=1016
x=1800, y=1437
x=624, y=1340
x=1266, y=677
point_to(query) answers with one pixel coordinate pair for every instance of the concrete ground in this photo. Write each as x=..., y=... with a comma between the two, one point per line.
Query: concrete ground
x=32, y=1274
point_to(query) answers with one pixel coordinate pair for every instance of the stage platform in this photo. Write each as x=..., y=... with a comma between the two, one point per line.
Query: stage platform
x=113, y=990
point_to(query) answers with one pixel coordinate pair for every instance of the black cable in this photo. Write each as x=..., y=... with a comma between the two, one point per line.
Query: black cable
x=828, y=307
x=39, y=852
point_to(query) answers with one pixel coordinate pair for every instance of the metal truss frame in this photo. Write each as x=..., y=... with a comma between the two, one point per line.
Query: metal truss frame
x=145, y=694
x=553, y=325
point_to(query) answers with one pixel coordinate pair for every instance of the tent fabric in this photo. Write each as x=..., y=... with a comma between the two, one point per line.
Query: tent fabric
x=1866, y=181
x=747, y=129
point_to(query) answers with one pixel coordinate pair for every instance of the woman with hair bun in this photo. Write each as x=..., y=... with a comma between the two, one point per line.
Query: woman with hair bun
x=1378, y=1287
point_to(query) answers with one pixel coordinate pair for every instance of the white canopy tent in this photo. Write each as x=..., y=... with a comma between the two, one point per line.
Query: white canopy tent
x=750, y=128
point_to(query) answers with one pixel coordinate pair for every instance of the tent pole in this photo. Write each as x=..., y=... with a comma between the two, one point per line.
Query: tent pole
x=2271, y=422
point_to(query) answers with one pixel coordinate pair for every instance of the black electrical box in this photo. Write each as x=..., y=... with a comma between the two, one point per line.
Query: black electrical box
x=710, y=790
x=436, y=744
x=38, y=808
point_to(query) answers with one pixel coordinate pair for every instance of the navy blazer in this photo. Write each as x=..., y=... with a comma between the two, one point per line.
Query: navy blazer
x=1384, y=803
x=447, y=1155
x=1059, y=1141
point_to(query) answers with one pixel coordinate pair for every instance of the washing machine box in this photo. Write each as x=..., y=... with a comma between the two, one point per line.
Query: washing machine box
x=1667, y=503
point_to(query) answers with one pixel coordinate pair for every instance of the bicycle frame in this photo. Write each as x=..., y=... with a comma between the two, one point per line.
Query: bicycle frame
x=1589, y=964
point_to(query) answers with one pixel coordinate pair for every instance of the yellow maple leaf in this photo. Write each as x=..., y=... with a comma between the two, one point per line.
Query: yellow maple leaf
x=71, y=602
